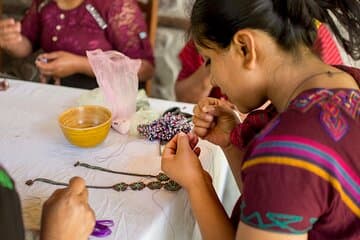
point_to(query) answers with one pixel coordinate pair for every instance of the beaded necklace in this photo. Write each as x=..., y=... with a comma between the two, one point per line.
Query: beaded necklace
x=163, y=181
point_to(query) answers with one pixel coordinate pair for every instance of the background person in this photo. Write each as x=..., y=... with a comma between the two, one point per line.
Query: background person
x=55, y=27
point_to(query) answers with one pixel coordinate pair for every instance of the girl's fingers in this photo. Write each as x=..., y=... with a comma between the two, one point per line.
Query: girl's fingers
x=198, y=122
x=171, y=147
x=193, y=139
x=201, y=132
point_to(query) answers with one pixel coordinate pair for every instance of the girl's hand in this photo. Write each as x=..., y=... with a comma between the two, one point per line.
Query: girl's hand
x=59, y=64
x=181, y=163
x=214, y=120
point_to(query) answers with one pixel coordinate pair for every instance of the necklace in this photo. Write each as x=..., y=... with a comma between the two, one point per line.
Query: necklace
x=161, y=176
x=163, y=181
x=328, y=73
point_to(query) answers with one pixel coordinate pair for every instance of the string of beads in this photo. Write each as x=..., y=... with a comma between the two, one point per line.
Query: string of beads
x=165, y=128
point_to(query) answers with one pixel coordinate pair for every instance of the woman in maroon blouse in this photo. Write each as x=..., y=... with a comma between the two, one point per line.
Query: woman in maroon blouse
x=66, y=29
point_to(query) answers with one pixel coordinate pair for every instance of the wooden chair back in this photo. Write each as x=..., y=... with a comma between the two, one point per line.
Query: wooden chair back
x=150, y=9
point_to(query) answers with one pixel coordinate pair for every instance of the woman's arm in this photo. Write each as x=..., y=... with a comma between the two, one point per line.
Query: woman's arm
x=21, y=49
x=195, y=87
x=246, y=232
x=209, y=212
x=235, y=157
x=146, y=71
x=11, y=39
x=130, y=39
x=182, y=152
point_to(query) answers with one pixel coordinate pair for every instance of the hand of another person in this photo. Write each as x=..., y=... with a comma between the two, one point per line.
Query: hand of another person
x=204, y=76
x=214, y=120
x=181, y=163
x=67, y=215
x=10, y=33
x=58, y=64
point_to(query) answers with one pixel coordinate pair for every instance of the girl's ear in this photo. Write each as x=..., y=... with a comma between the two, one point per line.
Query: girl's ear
x=244, y=43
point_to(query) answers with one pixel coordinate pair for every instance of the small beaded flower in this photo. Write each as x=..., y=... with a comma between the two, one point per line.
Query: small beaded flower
x=165, y=128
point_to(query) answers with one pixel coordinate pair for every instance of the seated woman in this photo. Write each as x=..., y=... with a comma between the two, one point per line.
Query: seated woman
x=193, y=82
x=299, y=177
x=66, y=29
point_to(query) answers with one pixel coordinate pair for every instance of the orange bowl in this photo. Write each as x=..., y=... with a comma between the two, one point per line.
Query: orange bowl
x=85, y=126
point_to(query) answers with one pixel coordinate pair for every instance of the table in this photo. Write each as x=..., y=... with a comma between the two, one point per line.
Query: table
x=32, y=145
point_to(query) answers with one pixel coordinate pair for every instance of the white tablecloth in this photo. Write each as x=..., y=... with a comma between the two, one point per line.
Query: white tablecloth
x=32, y=145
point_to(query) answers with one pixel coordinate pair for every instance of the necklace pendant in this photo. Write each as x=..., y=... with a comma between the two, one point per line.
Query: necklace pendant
x=120, y=187
x=172, y=186
x=162, y=177
x=154, y=185
x=137, y=186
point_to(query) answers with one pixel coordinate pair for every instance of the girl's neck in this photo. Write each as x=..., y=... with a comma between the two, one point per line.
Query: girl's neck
x=68, y=4
x=291, y=77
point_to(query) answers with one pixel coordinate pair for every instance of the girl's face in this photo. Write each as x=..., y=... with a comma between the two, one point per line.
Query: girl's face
x=242, y=85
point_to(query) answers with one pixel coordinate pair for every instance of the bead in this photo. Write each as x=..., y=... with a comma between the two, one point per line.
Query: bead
x=29, y=182
x=54, y=38
x=172, y=186
x=4, y=85
x=154, y=185
x=137, y=186
x=120, y=187
x=165, y=128
x=162, y=177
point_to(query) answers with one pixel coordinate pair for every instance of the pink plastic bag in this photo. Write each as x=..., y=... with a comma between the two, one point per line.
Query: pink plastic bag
x=117, y=77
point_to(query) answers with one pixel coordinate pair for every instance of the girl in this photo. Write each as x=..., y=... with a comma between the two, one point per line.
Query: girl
x=300, y=176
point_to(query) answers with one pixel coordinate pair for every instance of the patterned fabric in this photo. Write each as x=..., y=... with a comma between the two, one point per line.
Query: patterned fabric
x=306, y=177
x=333, y=107
x=191, y=60
x=275, y=220
x=255, y=121
x=54, y=29
x=11, y=225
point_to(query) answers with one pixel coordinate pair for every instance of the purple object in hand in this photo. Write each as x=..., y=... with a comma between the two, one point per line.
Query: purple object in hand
x=102, y=228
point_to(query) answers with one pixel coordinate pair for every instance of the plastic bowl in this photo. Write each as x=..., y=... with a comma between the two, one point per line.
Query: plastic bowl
x=85, y=126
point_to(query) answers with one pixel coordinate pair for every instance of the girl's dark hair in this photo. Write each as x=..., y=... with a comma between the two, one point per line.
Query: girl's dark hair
x=290, y=22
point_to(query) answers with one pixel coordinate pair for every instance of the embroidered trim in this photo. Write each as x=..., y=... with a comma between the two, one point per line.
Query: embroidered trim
x=96, y=15
x=277, y=221
x=42, y=5
x=332, y=106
